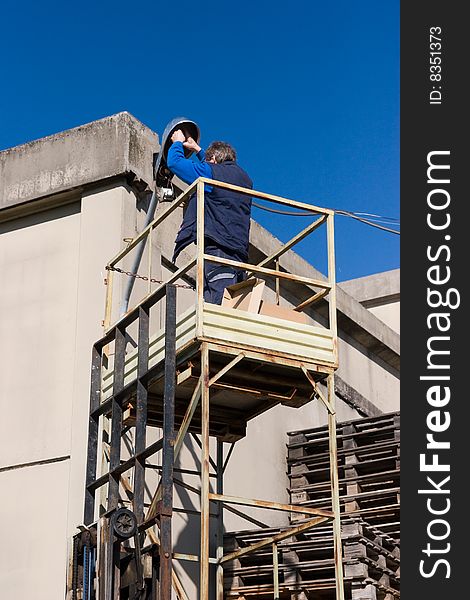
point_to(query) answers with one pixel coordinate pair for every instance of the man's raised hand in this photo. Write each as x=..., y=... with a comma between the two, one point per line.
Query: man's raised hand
x=192, y=145
x=178, y=136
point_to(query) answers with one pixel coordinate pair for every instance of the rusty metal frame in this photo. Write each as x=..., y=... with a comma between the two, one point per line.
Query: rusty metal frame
x=170, y=440
x=319, y=516
x=160, y=509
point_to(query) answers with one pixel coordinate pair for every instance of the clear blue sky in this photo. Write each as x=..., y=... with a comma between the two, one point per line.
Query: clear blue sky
x=308, y=93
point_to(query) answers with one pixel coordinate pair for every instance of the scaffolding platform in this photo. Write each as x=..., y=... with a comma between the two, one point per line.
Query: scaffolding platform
x=260, y=378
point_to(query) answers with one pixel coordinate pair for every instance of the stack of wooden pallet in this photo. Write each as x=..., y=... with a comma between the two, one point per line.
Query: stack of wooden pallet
x=369, y=483
x=368, y=469
x=306, y=564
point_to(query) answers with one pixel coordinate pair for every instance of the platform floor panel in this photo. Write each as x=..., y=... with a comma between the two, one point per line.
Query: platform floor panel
x=268, y=374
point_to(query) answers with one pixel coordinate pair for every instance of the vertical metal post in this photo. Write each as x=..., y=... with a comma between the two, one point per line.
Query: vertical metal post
x=93, y=428
x=108, y=307
x=102, y=563
x=220, y=521
x=205, y=458
x=116, y=417
x=332, y=281
x=338, y=554
x=200, y=257
x=116, y=558
x=276, y=571
x=166, y=505
x=332, y=415
x=155, y=574
x=113, y=546
x=149, y=242
x=141, y=413
x=278, y=283
x=110, y=553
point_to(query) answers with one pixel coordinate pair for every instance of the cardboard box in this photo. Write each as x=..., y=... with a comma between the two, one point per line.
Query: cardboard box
x=281, y=312
x=245, y=295
x=248, y=294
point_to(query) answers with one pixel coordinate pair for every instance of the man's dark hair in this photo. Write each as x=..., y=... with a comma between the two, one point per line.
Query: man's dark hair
x=221, y=151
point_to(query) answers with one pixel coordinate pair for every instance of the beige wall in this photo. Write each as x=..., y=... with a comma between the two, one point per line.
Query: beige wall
x=38, y=304
x=51, y=307
x=380, y=294
x=389, y=314
x=369, y=377
x=33, y=557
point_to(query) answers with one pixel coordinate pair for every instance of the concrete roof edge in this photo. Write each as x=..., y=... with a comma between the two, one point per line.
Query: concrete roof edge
x=383, y=285
x=76, y=157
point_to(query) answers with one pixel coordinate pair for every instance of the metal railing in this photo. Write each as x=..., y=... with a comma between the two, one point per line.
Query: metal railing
x=320, y=288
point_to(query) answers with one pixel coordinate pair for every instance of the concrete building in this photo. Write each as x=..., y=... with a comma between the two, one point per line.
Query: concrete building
x=68, y=203
x=380, y=294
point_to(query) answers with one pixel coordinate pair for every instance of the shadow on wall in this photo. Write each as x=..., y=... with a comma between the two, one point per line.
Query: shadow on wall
x=46, y=215
x=187, y=540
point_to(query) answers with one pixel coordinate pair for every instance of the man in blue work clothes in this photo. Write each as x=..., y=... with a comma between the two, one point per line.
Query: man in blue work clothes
x=227, y=213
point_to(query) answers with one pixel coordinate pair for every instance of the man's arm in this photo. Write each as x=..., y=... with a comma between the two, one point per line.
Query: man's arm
x=192, y=145
x=184, y=168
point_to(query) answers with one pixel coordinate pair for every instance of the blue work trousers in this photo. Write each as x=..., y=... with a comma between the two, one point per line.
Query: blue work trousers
x=218, y=277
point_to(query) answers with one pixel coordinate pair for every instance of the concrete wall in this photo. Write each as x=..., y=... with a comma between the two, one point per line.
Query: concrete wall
x=33, y=556
x=380, y=294
x=389, y=314
x=77, y=157
x=52, y=307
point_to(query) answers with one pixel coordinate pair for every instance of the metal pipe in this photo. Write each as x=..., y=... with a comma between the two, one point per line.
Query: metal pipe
x=92, y=574
x=138, y=254
x=276, y=571
x=75, y=568
x=333, y=451
x=205, y=485
x=220, y=522
x=166, y=507
x=85, y=572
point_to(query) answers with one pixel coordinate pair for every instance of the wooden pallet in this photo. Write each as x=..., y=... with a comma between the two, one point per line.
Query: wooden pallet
x=368, y=470
x=365, y=426
x=306, y=566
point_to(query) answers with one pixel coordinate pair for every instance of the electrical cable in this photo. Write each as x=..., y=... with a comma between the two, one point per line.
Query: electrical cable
x=372, y=224
x=363, y=214
x=285, y=212
x=345, y=213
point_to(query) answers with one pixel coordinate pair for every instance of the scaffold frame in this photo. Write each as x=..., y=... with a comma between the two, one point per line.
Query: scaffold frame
x=159, y=511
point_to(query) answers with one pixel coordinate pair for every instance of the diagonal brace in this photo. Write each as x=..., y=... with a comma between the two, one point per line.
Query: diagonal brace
x=230, y=365
x=292, y=242
x=329, y=408
x=178, y=443
x=274, y=539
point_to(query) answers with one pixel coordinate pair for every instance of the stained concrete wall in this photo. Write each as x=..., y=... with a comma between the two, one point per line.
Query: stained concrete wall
x=380, y=294
x=39, y=262
x=52, y=253
x=77, y=157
